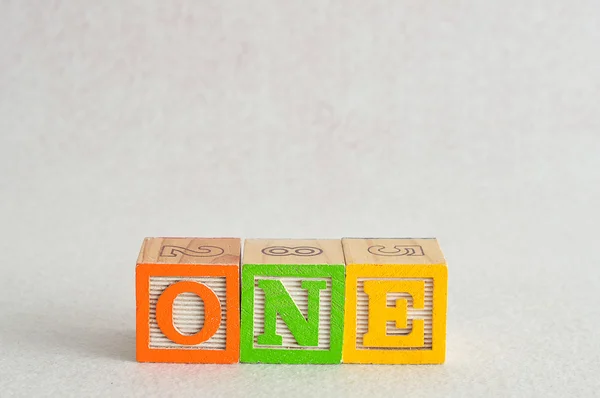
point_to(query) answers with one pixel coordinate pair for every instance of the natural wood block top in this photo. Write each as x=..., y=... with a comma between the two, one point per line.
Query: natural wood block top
x=205, y=251
x=293, y=251
x=392, y=251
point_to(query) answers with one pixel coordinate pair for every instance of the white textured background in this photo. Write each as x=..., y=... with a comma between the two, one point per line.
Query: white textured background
x=474, y=121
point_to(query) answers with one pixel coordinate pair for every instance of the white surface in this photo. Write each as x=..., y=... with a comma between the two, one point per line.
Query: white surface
x=473, y=121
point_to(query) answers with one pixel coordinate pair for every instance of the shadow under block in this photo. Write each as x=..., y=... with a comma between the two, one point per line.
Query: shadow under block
x=396, y=291
x=187, y=300
x=292, y=301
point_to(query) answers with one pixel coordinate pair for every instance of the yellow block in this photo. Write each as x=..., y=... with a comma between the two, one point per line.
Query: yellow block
x=395, y=311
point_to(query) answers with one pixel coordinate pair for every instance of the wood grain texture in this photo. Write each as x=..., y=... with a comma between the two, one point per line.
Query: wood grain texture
x=395, y=309
x=217, y=251
x=392, y=251
x=293, y=251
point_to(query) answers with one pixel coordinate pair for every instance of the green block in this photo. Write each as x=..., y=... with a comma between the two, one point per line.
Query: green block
x=263, y=342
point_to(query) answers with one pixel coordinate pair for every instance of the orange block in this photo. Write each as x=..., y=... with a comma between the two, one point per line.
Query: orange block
x=187, y=300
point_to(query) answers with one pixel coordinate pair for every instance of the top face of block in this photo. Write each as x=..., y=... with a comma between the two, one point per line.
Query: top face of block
x=201, y=251
x=293, y=251
x=392, y=251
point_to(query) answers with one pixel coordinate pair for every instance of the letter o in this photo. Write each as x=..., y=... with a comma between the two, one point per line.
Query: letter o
x=212, y=312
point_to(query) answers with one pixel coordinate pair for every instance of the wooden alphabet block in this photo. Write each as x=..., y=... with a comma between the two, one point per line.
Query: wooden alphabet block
x=395, y=301
x=187, y=300
x=292, y=301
